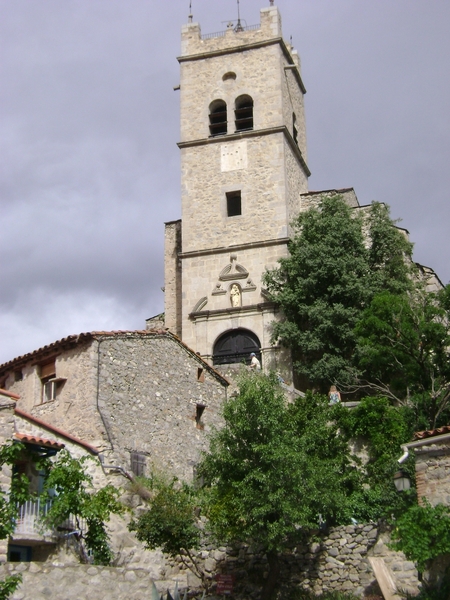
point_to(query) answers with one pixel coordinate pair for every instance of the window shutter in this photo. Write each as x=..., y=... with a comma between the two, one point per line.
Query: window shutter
x=138, y=463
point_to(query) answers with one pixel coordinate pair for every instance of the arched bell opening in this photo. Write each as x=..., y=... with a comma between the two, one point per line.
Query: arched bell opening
x=235, y=346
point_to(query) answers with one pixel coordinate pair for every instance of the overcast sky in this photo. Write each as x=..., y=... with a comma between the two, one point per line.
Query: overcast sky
x=89, y=125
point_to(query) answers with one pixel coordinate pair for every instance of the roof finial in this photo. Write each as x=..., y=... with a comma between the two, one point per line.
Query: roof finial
x=238, y=26
x=190, y=12
x=271, y=2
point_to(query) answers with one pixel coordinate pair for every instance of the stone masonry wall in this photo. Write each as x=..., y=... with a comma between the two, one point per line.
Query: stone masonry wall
x=192, y=43
x=337, y=561
x=149, y=389
x=74, y=409
x=172, y=277
x=6, y=433
x=433, y=474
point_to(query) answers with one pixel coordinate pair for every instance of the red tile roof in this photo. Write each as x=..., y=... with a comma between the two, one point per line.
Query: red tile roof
x=421, y=435
x=57, y=431
x=72, y=341
x=11, y=395
x=32, y=439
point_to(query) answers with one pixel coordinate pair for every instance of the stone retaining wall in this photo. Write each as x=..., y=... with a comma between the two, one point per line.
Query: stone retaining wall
x=335, y=561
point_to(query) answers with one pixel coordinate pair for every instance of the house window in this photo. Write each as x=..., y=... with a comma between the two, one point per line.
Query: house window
x=49, y=389
x=138, y=463
x=200, y=375
x=218, y=118
x=19, y=553
x=48, y=380
x=18, y=375
x=234, y=207
x=243, y=113
x=50, y=383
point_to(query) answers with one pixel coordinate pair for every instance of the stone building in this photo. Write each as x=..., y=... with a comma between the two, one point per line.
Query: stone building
x=136, y=401
x=432, y=456
x=141, y=398
x=243, y=170
x=29, y=541
x=244, y=178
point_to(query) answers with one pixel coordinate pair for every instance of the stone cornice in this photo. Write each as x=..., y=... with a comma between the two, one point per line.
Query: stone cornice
x=233, y=311
x=230, y=137
x=234, y=248
x=251, y=46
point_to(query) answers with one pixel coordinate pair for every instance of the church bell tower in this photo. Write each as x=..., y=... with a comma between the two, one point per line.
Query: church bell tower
x=243, y=168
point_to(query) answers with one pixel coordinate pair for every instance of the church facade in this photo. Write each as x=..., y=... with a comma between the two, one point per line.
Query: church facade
x=243, y=173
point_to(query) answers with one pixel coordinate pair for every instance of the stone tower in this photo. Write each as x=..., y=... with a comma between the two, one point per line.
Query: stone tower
x=243, y=168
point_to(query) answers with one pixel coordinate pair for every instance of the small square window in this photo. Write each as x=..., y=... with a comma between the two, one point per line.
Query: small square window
x=234, y=207
x=18, y=375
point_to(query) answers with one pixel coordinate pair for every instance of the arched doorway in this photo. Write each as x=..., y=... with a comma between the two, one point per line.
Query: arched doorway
x=235, y=346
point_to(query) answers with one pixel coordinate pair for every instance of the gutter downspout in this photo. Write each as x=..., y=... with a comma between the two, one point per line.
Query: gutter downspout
x=425, y=442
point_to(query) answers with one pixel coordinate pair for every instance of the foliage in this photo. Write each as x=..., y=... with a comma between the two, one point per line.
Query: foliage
x=275, y=470
x=9, y=585
x=176, y=594
x=423, y=533
x=68, y=478
x=18, y=493
x=382, y=429
x=402, y=352
x=170, y=522
x=328, y=279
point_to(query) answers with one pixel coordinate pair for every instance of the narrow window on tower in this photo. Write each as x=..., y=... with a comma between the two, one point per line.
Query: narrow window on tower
x=234, y=207
x=243, y=113
x=218, y=118
x=294, y=129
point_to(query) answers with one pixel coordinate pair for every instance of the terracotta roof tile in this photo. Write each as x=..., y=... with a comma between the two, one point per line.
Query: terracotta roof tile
x=72, y=341
x=11, y=395
x=32, y=439
x=421, y=435
x=56, y=430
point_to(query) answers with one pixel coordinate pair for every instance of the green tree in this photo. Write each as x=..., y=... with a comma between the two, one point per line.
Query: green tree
x=403, y=352
x=75, y=497
x=18, y=493
x=378, y=430
x=170, y=522
x=423, y=533
x=275, y=470
x=339, y=258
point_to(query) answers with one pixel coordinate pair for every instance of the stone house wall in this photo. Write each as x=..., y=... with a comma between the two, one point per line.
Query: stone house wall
x=7, y=405
x=127, y=392
x=433, y=473
x=74, y=409
x=151, y=391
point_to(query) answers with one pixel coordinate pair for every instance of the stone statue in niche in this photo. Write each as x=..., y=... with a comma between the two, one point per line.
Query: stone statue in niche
x=235, y=295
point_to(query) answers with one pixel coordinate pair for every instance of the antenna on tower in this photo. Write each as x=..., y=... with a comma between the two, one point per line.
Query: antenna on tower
x=238, y=26
x=190, y=12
